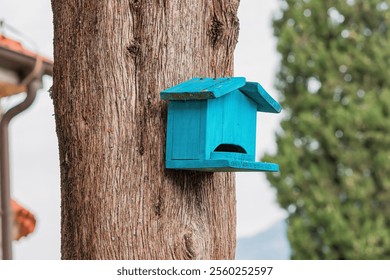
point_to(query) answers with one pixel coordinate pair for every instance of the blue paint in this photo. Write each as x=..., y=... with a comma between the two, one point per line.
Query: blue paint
x=202, y=88
x=212, y=124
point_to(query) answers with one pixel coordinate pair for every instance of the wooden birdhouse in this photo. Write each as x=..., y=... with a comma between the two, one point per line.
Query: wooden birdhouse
x=212, y=124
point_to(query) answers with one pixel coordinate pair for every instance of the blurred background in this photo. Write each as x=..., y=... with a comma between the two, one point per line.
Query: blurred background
x=334, y=141
x=328, y=63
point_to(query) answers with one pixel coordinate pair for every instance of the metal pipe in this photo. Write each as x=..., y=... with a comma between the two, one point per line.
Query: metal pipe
x=6, y=220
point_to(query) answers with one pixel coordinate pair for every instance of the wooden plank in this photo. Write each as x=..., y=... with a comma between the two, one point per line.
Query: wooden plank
x=186, y=129
x=226, y=86
x=239, y=121
x=202, y=88
x=265, y=103
x=231, y=156
x=214, y=127
x=222, y=165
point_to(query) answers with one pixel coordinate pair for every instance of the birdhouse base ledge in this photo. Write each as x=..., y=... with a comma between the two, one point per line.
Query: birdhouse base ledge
x=222, y=165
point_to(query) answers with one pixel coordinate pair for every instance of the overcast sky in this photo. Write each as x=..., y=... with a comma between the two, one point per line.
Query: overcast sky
x=34, y=152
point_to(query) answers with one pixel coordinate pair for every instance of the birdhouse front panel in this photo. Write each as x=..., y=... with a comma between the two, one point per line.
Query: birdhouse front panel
x=229, y=127
x=212, y=124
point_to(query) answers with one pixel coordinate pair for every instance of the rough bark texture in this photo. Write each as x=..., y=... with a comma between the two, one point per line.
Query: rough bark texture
x=112, y=58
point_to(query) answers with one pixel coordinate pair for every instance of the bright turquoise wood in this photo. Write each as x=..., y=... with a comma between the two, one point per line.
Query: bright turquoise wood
x=212, y=124
x=223, y=165
x=186, y=130
x=187, y=124
x=230, y=156
x=202, y=88
x=265, y=103
x=230, y=120
x=240, y=122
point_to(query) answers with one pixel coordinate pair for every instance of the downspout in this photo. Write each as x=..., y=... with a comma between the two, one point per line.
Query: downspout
x=6, y=220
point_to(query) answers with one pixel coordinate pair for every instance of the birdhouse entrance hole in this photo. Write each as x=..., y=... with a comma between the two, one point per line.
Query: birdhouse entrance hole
x=231, y=148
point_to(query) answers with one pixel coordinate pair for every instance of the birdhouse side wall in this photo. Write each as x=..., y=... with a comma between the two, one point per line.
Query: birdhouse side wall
x=231, y=120
x=186, y=130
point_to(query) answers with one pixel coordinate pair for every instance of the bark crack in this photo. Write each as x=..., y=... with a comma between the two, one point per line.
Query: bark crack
x=216, y=31
x=134, y=48
x=189, y=246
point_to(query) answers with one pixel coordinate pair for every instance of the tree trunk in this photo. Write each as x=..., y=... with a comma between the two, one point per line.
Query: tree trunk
x=112, y=59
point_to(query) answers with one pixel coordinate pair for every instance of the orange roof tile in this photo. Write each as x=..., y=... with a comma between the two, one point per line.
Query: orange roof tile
x=14, y=46
x=9, y=46
x=24, y=220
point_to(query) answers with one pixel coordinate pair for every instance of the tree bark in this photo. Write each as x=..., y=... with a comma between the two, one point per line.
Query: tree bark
x=112, y=59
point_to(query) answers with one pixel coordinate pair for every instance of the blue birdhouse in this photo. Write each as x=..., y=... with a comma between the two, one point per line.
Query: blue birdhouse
x=212, y=124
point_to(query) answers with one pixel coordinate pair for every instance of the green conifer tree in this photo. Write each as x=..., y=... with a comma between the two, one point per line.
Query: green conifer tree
x=334, y=145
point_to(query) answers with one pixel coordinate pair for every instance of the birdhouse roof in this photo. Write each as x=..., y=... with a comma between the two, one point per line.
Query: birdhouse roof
x=209, y=88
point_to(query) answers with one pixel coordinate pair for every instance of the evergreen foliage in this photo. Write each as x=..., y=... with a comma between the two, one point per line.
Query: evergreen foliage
x=334, y=145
